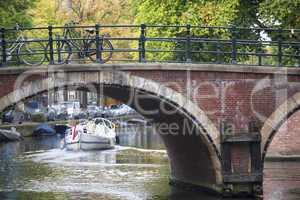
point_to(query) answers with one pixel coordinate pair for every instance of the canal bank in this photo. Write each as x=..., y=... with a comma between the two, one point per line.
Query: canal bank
x=26, y=128
x=127, y=136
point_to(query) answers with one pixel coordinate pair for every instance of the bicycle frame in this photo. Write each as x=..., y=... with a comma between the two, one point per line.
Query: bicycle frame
x=82, y=45
x=73, y=41
x=15, y=45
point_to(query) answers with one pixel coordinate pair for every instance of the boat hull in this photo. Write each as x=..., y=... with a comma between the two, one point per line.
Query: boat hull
x=9, y=135
x=89, y=142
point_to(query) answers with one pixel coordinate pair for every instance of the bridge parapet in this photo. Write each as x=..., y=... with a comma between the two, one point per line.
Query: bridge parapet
x=149, y=43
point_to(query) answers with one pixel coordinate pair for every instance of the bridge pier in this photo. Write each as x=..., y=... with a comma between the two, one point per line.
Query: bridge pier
x=242, y=169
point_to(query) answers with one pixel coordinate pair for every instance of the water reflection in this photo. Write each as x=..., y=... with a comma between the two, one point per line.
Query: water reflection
x=141, y=137
x=37, y=169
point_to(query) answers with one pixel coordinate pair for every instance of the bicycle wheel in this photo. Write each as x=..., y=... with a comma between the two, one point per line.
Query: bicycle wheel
x=106, y=51
x=62, y=52
x=32, y=53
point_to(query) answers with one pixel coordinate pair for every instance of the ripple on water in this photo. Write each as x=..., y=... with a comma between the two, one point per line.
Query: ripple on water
x=108, y=173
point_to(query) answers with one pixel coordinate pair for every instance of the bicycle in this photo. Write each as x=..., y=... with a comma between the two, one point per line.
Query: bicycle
x=85, y=46
x=29, y=51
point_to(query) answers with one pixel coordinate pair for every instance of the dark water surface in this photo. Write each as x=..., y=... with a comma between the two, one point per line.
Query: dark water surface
x=36, y=169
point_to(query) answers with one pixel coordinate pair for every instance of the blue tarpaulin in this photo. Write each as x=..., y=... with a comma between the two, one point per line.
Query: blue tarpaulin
x=43, y=129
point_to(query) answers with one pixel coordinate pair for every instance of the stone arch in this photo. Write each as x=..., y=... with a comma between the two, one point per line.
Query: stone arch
x=277, y=119
x=202, y=149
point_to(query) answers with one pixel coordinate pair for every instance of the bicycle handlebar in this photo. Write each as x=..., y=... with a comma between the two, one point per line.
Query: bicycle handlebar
x=18, y=26
x=71, y=23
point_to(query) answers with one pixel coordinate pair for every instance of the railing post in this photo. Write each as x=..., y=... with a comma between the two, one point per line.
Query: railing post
x=3, y=46
x=279, y=43
x=50, y=39
x=218, y=52
x=259, y=48
x=298, y=54
x=98, y=49
x=233, y=44
x=58, y=46
x=142, y=40
x=188, y=43
x=259, y=52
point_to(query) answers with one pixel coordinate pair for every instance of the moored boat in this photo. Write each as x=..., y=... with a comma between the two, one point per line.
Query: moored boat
x=10, y=135
x=44, y=129
x=96, y=134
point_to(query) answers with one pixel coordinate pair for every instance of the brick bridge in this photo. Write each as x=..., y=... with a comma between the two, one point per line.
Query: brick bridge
x=216, y=121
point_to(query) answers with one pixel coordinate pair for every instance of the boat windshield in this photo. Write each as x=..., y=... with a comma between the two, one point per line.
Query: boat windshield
x=103, y=122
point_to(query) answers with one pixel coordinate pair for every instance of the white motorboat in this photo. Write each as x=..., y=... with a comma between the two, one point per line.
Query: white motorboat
x=96, y=134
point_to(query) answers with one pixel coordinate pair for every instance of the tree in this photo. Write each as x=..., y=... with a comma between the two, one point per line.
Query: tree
x=85, y=12
x=195, y=12
x=282, y=14
x=241, y=13
x=82, y=11
x=15, y=11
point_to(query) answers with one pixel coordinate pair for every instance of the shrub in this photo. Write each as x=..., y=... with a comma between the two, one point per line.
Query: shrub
x=38, y=117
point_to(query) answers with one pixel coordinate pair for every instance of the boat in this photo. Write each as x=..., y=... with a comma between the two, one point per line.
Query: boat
x=10, y=135
x=61, y=129
x=44, y=129
x=95, y=134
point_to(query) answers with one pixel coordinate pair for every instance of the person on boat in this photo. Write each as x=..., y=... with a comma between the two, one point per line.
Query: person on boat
x=90, y=126
x=76, y=129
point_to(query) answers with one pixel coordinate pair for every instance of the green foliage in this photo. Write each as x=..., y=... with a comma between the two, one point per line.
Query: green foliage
x=253, y=13
x=85, y=12
x=201, y=13
x=15, y=11
x=38, y=117
x=264, y=13
x=283, y=13
x=59, y=12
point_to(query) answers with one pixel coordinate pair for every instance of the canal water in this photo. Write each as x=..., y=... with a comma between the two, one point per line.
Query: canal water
x=37, y=169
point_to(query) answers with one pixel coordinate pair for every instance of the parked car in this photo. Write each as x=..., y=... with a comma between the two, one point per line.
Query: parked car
x=35, y=108
x=80, y=115
x=60, y=111
x=67, y=110
x=72, y=108
x=95, y=111
x=8, y=117
x=106, y=112
x=32, y=107
x=14, y=116
x=123, y=109
x=92, y=111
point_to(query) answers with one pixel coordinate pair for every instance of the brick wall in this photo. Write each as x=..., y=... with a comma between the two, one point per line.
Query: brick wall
x=222, y=96
x=287, y=139
x=229, y=96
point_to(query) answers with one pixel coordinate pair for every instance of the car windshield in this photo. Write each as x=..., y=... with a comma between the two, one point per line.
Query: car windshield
x=32, y=104
x=68, y=104
x=92, y=108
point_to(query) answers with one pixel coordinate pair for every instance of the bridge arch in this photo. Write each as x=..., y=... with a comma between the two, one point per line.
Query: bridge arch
x=194, y=158
x=277, y=119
